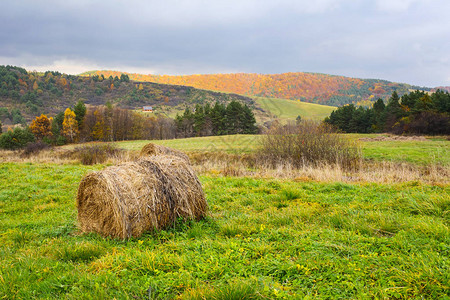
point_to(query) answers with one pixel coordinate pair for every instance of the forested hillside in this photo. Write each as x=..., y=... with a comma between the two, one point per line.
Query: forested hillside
x=414, y=113
x=24, y=95
x=307, y=87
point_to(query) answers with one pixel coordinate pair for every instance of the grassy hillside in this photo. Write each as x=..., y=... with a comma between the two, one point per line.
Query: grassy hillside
x=285, y=109
x=308, y=87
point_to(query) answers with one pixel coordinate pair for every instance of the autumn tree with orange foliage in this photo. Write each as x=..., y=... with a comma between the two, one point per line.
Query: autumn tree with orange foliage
x=41, y=127
x=70, y=125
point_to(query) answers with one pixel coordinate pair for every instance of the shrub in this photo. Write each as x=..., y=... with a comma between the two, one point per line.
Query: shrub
x=308, y=143
x=34, y=148
x=16, y=138
x=429, y=122
x=96, y=154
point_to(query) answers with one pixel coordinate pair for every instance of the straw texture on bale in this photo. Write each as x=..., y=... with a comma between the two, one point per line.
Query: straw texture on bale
x=153, y=149
x=149, y=194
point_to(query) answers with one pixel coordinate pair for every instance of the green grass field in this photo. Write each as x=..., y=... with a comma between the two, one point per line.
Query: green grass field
x=431, y=151
x=284, y=109
x=263, y=239
x=226, y=143
x=418, y=152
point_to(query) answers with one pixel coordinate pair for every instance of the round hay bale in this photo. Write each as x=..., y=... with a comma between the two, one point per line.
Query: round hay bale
x=149, y=194
x=153, y=149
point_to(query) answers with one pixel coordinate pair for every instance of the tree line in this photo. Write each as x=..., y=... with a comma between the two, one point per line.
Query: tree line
x=220, y=119
x=415, y=113
x=109, y=123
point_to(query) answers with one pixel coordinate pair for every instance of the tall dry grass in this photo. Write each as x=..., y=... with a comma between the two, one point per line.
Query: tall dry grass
x=308, y=143
x=251, y=165
x=92, y=154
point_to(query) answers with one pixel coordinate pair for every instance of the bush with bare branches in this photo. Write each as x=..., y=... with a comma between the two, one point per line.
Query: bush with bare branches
x=308, y=143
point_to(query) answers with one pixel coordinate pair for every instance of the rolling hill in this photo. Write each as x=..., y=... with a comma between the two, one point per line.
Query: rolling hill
x=32, y=94
x=307, y=87
x=285, y=109
x=51, y=92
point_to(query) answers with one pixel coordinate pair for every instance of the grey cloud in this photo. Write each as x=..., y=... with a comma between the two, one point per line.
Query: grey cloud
x=405, y=41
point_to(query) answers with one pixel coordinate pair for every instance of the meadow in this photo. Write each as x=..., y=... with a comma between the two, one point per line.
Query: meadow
x=285, y=109
x=429, y=151
x=265, y=237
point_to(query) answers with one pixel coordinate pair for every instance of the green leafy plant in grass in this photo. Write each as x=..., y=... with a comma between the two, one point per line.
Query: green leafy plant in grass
x=233, y=291
x=84, y=251
x=289, y=194
x=231, y=230
x=20, y=237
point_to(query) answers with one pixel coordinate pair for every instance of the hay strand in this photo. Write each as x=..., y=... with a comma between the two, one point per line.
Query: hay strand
x=149, y=194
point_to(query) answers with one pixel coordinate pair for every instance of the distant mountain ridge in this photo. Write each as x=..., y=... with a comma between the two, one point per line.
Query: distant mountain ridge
x=442, y=88
x=34, y=93
x=308, y=87
x=25, y=95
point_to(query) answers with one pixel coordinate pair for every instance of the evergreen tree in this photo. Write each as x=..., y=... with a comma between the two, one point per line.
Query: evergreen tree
x=233, y=117
x=57, y=123
x=441, y=101
x=393, y=111
x=343, y=116
x=248, y=121
x=199, y=120
x=216, y=120
x=80, y=111
x=16, y=138
x=217, y=116
x=124, y=78
x=16, y=116
x=427, y=116
x=393, y=108
x=379, y=106
x=409, y=100
x=379, y=115
x=358, y=122
x=423, y=104
x=207, y=125
x=187, y=123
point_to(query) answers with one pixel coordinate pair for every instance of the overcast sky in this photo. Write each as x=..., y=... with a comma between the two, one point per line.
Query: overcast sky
x=397, y=40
